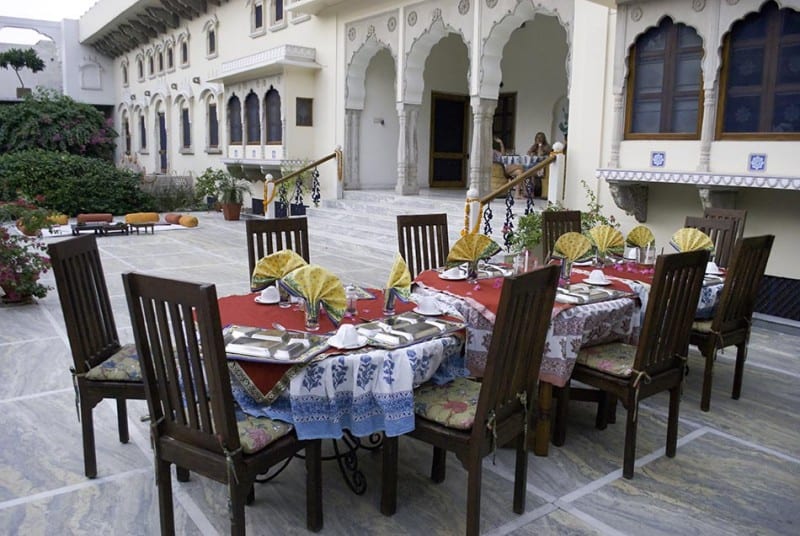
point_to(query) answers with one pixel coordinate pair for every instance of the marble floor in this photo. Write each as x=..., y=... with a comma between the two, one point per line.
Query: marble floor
x=737, y=470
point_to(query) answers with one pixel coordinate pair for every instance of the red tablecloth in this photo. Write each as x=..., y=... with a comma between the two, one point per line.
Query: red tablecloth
x=244, y=311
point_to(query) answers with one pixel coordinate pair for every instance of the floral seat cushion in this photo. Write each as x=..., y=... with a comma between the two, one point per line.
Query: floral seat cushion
x=123, y=366
x=614, y=358
x=452, y=405
x=702, y=325
x=255, y=433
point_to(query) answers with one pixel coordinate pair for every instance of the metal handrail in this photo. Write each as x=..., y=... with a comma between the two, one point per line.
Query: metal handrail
x=519, y=179
x=337, y=154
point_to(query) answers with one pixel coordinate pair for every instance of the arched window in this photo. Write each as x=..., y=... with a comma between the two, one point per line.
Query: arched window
x=235, y=119
x=142, y=133
x=186, y=127
x=212, y=42
x=665, y=83
x=213, y=126
x=273, y=112
x=170, y=57
x=126, y=133
x=160, y=62
x=124, y=75
x=760, y=81
x=140, y=68
x=252, y=118
x=184, y=54
x=150, y=68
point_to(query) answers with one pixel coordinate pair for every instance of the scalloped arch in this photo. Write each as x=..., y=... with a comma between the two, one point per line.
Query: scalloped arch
x=355, y=86
x=413, y=76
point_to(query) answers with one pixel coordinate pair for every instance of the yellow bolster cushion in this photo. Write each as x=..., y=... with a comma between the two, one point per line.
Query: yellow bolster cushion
x=173, y=218
x=188, y=221
x=142, y=217
x=58, y=219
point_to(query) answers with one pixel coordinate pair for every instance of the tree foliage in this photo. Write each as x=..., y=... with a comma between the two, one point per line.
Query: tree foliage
x=71, y=184
x=55, y=122
x=17, y=59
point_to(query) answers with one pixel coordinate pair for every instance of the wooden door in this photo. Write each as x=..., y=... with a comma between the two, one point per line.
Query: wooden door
x=448, y=152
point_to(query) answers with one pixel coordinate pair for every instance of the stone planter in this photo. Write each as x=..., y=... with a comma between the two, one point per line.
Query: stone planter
x=231, y=211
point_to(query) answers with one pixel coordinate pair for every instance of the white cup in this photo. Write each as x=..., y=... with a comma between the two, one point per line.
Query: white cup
x=597, y=276
x=427, y=305
x=712, y=268
x=347, y=335
x=270, y=294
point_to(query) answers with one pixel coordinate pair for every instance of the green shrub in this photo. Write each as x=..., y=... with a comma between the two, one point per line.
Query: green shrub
x=71, y=184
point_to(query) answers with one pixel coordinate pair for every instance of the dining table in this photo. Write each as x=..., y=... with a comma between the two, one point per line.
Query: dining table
x=613, y=313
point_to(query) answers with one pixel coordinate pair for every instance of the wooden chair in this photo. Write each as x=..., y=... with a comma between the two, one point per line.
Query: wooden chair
x=632, y=373
x=423, y=241
x=193, y=423
x=554, y=224
x=722, y=233
x=733, y=316
x=102, y=367
x=738, y=216
x=505, y=398
x=274, y=234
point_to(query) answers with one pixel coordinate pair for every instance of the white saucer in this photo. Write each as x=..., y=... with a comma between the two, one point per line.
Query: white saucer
x=362, y=341
x=262, y=301
x=461, y=275
x=582, y=263
x=597, y=283
x=427, y=313
x=720, y=272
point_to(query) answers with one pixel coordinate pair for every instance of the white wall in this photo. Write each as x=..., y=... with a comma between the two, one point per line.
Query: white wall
x=88, y=75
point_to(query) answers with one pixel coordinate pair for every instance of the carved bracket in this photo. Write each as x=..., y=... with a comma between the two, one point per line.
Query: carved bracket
x=630, y=197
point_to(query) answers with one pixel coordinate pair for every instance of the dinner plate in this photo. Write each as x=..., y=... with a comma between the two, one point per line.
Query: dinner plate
x=262, y=301
x=421, y=312
x=361, y=342
x=597, y=283
x=458, y=277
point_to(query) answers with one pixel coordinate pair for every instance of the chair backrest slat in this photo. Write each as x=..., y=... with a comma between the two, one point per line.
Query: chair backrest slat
x=722, y=233
x=515, y=353
x=671, y=307
x=739, y=218
x=423, y=241
x=738, y=297
x=178, y=335
x=84, y=300
x=554, y=224
x=275, y=234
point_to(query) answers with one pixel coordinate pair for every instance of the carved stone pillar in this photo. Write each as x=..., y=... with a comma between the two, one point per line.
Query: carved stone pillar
x=407, y=152
x=619, y=126
x=707, y=130
x=352, y=143
x=480, y=163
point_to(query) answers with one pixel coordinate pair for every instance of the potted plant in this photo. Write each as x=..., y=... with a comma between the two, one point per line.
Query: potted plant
x=16, y=59
x=231, y=194
x=205, y=186
x=22, y=258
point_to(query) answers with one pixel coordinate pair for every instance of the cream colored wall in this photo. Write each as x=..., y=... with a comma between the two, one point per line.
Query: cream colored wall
x=379, y=140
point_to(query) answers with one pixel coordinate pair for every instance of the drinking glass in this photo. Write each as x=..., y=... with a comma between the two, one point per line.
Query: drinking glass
x=566, y=273
x=351, y=296
x=312, y=316
x=284, y=300
x=388, y=302
x=472, y=272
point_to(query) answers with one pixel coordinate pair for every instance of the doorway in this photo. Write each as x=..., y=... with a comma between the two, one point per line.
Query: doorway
x=448, y=154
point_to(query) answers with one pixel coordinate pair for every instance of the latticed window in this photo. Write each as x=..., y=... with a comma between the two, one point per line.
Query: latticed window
x=273, y=112
x=760, y=84
x=252, y=118
x=235, y=120
x=665, y=83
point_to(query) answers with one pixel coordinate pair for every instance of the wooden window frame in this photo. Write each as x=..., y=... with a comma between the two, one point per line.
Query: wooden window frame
x=668, y=92
x=252, y=97
x=304, y=104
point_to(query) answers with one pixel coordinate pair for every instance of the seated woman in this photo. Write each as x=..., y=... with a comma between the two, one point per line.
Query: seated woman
x=539, y=150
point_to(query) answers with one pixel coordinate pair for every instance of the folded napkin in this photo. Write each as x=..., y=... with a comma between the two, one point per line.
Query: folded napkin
x=316, y=286
x=399, y=282
x=274, y=266
x=607, y=239
x=472, y=247
x=572, y=246
x=640, y=236
x=691, y=239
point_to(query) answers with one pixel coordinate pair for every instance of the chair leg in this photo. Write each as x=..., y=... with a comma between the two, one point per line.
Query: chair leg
x=612, y=409
x=122, y=420
x=251, y=495
x=439, y=465
x=672, y=420
x=520, y=475
x=562, y=407
x=87, y=431
x=164, y=483
x=237, y=499
x=475, y=470
x=708, y=376
x=314, y=486
x=182, y=474
x=389, y=476
x=741, y=356
x=630, y=439
x=601, y=419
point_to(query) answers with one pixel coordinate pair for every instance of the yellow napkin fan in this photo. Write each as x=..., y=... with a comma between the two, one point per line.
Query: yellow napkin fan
x=607, y=239
x=316, y=286
x=399, y=278
x=472, y=247
x=274, y=266
x=691, y=239
x=572, y=246
x=640, y=236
